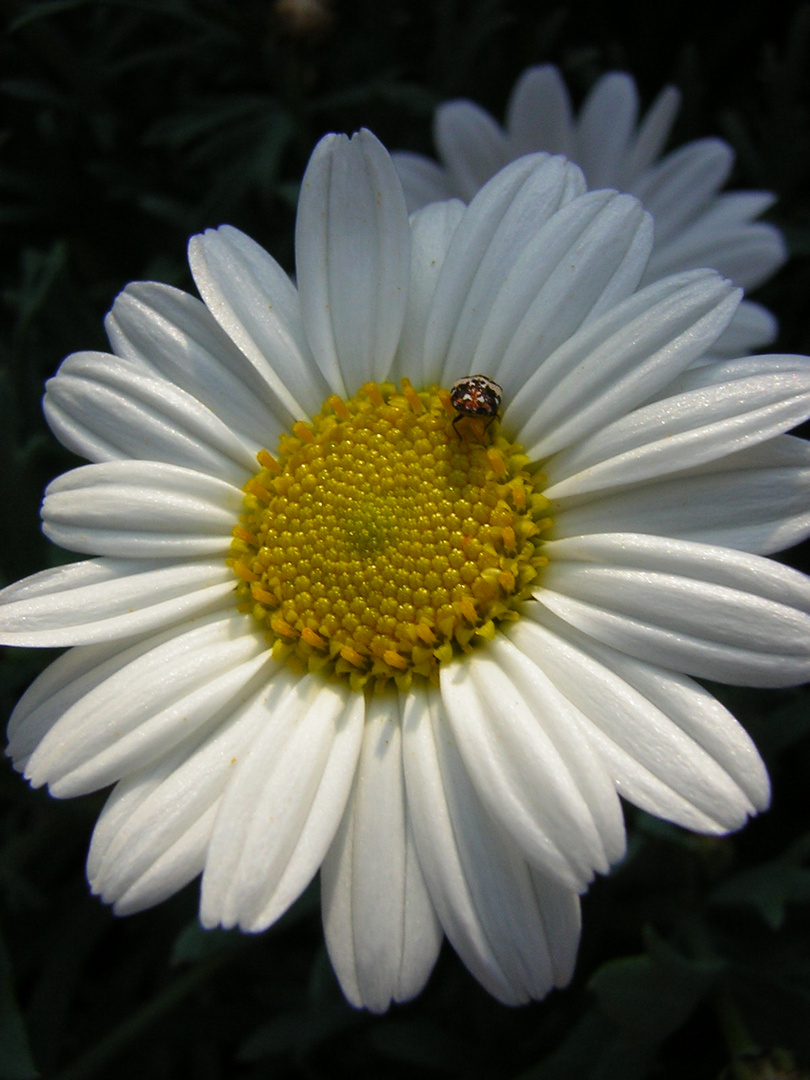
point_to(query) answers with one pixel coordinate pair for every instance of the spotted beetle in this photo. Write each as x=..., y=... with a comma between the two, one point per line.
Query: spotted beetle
x=475, y=395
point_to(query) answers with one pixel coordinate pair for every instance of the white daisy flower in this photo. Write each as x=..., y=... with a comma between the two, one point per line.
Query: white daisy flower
x=424, y=651
x=695, y=225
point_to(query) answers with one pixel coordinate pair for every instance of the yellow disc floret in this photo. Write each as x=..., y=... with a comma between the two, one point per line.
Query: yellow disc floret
x=383, y=540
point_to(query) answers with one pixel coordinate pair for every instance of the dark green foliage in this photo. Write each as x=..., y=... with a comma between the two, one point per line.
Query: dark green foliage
x=127, y=125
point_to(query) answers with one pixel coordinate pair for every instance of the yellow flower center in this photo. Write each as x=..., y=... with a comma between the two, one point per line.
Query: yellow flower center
x=383, y=540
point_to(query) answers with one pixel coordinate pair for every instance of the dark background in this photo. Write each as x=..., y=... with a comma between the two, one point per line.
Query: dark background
x=128, y=125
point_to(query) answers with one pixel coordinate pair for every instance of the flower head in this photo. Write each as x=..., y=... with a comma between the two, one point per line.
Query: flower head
x=695, y=224
x=328, y=624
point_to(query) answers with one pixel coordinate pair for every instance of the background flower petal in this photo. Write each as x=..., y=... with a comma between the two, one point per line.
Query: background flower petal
x=472, y=146
x=749, y=254
x=423, y=181
x=539, y=115
x=649, y=140
x=605, y=127
x=681, y=185
x=751, y=328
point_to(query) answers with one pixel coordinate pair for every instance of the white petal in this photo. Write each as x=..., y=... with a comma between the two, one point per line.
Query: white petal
x=69, y=678
x=174, y=335
x=352, y=245
x=619, y=360
x=553, y=715
x=284, y=804
x=171, y=870
x=138, y=703
x=586, y=259
x=107, y=409
x=670, y=747
x=432, y=230
x=141, y=509
x=721, y=408
x=539, y=113
x=381, y=931
x=562, y=924
x=470, y=143
x=717, y=372
x=145, y=868
x=423, y=181
x=58, y=688
x=257, y=305
x=605, y=126
x=153, y=833
x=438, y=850
x=754, y=500
x=707, y=611
x=100, y=599
x=536, y=777
x=516, y=930
x=491, y=236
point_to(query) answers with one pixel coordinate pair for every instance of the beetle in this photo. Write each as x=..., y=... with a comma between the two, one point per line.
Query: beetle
x=475, y=395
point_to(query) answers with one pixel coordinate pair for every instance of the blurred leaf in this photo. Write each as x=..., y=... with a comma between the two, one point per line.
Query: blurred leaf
x=422, y=1044
x=299, y=1032
x=307, y=904
x=207, y=117
x=770, y=887
x=16, y=1062
x=34, y=91
x=40, y=271
x=194, y=943
x=652, y=995
x=234, y=142
x=42, y=9
x=68, y=945
x=775, y=723
x=384, y=89
x=593, y=1050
